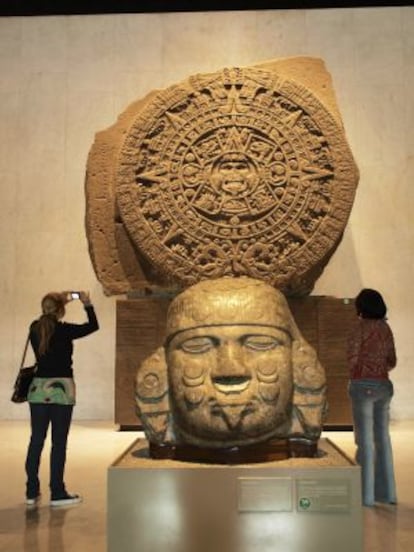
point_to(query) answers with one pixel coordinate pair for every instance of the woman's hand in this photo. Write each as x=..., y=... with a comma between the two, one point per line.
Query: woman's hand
x=85, y=298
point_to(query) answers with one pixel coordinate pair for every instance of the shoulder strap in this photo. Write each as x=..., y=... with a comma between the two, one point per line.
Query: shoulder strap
x=25, y=350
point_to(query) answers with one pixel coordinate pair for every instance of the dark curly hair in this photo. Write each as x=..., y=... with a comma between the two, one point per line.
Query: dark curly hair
x=370, y=304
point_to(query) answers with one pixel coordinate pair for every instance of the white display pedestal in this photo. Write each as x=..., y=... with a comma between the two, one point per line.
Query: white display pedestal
x=295, y=505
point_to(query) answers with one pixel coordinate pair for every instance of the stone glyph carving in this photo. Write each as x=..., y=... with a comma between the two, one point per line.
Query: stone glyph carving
x=242, y=172
x=234, y=370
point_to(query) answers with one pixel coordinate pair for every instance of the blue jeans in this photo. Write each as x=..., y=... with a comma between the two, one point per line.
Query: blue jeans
x=41, y=415
x=370, y=408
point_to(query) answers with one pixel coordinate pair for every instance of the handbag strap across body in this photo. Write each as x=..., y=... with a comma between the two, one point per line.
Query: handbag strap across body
x=25, y=350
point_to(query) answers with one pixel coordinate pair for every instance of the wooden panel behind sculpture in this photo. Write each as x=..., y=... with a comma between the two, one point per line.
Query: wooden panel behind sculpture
x=245, y=171
x=335, y=319
x=324, y=322
x=140, y=325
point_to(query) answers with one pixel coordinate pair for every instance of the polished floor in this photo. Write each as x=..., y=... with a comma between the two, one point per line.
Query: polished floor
x=93, y=446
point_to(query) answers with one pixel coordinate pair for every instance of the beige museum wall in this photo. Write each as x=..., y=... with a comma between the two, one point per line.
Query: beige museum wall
x=64, y=78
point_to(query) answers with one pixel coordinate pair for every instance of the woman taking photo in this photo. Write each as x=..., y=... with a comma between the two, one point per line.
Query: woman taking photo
x=52, y=393
x=371, y=355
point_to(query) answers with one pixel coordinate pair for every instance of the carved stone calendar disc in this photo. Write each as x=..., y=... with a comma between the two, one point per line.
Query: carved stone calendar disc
x=236, y=173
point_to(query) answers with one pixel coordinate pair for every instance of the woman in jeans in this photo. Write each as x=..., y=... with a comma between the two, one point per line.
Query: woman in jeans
x=371, y=355
x=52, y=393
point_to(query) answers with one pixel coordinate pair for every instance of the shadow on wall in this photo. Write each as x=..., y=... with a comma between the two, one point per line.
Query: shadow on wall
x=342, y=275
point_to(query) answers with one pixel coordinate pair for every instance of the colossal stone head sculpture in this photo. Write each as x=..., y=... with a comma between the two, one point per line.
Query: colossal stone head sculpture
x=234, y=370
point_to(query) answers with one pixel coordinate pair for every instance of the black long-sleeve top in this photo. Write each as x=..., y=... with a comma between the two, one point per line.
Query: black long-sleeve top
x=57, y=361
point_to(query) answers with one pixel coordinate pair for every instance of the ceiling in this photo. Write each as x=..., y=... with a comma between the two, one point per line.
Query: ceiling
x=79, y=7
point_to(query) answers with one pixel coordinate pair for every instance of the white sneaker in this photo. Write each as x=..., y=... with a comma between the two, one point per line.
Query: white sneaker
x=32, y=501
x=66, y=500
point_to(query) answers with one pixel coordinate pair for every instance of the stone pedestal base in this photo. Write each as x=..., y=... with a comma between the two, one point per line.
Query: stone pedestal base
x=295, y=505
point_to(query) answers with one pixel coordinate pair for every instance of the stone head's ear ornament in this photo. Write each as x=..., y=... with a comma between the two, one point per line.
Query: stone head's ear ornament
x=309, y=392
x=151, y=396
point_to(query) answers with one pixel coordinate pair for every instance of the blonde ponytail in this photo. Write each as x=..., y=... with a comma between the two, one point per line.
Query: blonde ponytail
x=53, y=308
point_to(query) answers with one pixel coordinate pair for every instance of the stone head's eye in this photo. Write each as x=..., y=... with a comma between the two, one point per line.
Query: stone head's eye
x=197, y=345
x=261, y=342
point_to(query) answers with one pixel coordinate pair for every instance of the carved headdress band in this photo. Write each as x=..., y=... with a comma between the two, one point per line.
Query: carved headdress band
x=241, y=301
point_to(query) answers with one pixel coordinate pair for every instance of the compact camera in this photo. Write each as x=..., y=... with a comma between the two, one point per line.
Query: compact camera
x=74, y=295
